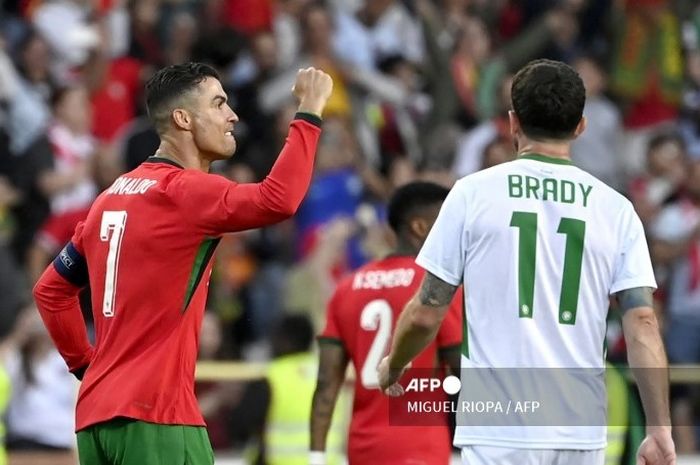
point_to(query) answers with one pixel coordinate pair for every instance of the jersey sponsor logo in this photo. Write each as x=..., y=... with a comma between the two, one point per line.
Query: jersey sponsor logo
x=384, y=279
x=131, y=186
x=549, y=189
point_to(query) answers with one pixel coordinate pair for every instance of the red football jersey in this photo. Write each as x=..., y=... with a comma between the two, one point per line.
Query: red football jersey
x=147, y=243
x=362, y=316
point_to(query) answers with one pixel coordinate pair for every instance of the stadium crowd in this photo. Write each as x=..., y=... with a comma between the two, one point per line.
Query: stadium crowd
x=421, y=92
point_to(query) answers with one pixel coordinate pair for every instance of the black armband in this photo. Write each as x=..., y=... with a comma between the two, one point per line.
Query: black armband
x=309, y=118
x=72, y=266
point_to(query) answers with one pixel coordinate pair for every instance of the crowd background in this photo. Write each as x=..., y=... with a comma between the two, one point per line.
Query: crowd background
x=421, y=92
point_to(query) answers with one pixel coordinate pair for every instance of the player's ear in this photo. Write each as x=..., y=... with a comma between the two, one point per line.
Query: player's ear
x=182, y=119
x=419, y=227
x=514, y=124
x=580, y=127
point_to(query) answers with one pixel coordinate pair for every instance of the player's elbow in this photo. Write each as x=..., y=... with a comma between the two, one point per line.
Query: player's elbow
x=286, y=209
x=640, y=322
x=425, y=319
x=41, y=294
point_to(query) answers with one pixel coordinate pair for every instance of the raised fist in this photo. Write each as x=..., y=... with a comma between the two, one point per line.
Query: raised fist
x=313, y=88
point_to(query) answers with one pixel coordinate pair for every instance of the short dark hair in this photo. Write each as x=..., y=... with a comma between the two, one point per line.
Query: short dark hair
x=548, y=98
x=171, y=83
x=411, y=199
x=293, y=333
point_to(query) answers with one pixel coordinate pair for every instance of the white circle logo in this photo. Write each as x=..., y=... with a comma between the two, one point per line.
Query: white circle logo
x=451, y=385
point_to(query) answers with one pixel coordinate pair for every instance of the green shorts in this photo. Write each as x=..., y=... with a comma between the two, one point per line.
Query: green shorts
x=124, y=441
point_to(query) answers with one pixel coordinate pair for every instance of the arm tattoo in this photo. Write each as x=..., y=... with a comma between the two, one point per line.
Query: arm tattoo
x=435, y=292
x=635, y=297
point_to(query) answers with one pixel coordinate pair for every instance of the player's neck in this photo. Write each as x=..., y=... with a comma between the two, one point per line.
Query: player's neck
x=552, y=149
x=183, y=154
x=405, y=248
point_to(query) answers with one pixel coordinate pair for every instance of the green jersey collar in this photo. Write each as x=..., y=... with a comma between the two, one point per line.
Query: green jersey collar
x=545, y=159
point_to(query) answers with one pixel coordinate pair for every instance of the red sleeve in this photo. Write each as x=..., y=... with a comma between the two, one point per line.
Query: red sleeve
x=217, y=205
x=57, y=301
x=56, y=296
x=331, y=332
x=450, y=332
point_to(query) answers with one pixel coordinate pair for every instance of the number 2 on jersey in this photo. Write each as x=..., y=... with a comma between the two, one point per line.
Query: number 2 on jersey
x=575, y=232
x=113, y=222
x=376, y=316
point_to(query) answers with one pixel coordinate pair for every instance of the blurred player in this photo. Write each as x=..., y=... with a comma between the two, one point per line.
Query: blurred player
x=542, y=246
x=145, y=250
x=361, y=314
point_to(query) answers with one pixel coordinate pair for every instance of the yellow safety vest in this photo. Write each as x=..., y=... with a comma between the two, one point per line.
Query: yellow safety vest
x=618, y=416
x=292, y=380
x=5, y=392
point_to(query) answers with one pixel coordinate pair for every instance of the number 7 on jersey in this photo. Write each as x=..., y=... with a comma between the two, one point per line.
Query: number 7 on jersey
x=112, y=230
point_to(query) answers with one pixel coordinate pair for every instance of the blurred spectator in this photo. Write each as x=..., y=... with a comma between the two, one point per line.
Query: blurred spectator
x=41, y=411
x=499, y=150
x=647, y=73
x=66, y=26
x=472, y=145
x=29, y=111
x=596, y=150
x=689, y=124
x=665, y=174
x=287, y=30
x=310, y=282
x=69, y=184
x=248, y=17
x=145, y=45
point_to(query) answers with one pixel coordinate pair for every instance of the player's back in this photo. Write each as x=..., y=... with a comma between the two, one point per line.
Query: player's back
x=543, y=254
x=540, y=246
x=362, y=316
x=147, y=262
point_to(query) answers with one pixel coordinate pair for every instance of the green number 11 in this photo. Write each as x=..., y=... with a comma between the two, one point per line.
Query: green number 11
x=575, y=231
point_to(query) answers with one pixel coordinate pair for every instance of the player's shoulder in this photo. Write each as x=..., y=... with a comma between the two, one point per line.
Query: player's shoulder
x=608, y=197
x=485, y=176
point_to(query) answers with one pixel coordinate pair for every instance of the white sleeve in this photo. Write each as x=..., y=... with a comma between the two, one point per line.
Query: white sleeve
x=443, y=253
x=633, y=264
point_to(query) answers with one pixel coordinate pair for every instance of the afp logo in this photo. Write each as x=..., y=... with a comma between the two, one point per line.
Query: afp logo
x=451, y=385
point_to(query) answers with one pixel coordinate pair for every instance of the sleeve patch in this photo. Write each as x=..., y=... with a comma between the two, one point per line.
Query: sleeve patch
x=71, y=265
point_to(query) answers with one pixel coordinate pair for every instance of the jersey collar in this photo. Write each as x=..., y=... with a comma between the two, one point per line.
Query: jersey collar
x=545, y=159
x=168, y=161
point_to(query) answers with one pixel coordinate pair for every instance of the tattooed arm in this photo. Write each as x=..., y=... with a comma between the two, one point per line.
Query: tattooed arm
x=331, y=374
x=417, y=326
x=645, y=353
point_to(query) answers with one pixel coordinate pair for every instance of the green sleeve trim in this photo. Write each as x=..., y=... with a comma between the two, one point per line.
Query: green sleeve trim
x=309, y=118
x=330, y=340
x=454, y=347
x=201, y=260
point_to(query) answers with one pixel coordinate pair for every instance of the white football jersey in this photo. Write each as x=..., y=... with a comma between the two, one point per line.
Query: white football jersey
x=540, y=245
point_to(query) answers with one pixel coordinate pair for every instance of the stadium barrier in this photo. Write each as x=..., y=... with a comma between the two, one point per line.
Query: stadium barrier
x=243, y=371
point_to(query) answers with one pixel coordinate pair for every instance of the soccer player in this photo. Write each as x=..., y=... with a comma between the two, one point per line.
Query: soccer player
x=541, y=246
x=361, y=314
x=145, y=249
